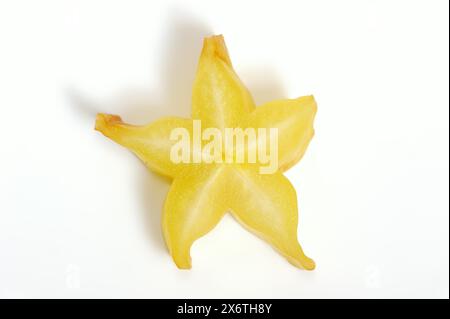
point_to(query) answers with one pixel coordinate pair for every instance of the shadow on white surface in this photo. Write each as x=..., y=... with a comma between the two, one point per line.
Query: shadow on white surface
x=178, y=61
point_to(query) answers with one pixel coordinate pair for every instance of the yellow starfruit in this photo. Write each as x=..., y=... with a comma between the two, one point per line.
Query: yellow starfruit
x=201, y=193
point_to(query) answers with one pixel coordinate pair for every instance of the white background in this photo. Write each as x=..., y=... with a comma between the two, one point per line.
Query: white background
x=80, y=215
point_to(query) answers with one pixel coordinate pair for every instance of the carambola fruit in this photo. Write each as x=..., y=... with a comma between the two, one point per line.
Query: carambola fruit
x=202, y=193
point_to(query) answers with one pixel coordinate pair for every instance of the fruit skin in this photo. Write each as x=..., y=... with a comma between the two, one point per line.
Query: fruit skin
x=200, y=194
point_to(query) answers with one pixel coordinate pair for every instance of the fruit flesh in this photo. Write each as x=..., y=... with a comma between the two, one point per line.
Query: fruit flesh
x=202, y=193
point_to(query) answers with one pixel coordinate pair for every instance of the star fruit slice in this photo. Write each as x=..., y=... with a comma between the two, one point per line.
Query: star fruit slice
x=200, y=194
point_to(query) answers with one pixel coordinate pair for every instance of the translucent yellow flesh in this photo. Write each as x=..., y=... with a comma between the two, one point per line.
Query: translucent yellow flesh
x=267, y=205
x=294, y=121
x=194, y=205
x=219, y=98
x=202, y=193
x=151, y=143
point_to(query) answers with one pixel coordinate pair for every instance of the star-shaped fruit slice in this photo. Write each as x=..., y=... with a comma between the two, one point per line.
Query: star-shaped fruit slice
x=201, y=193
